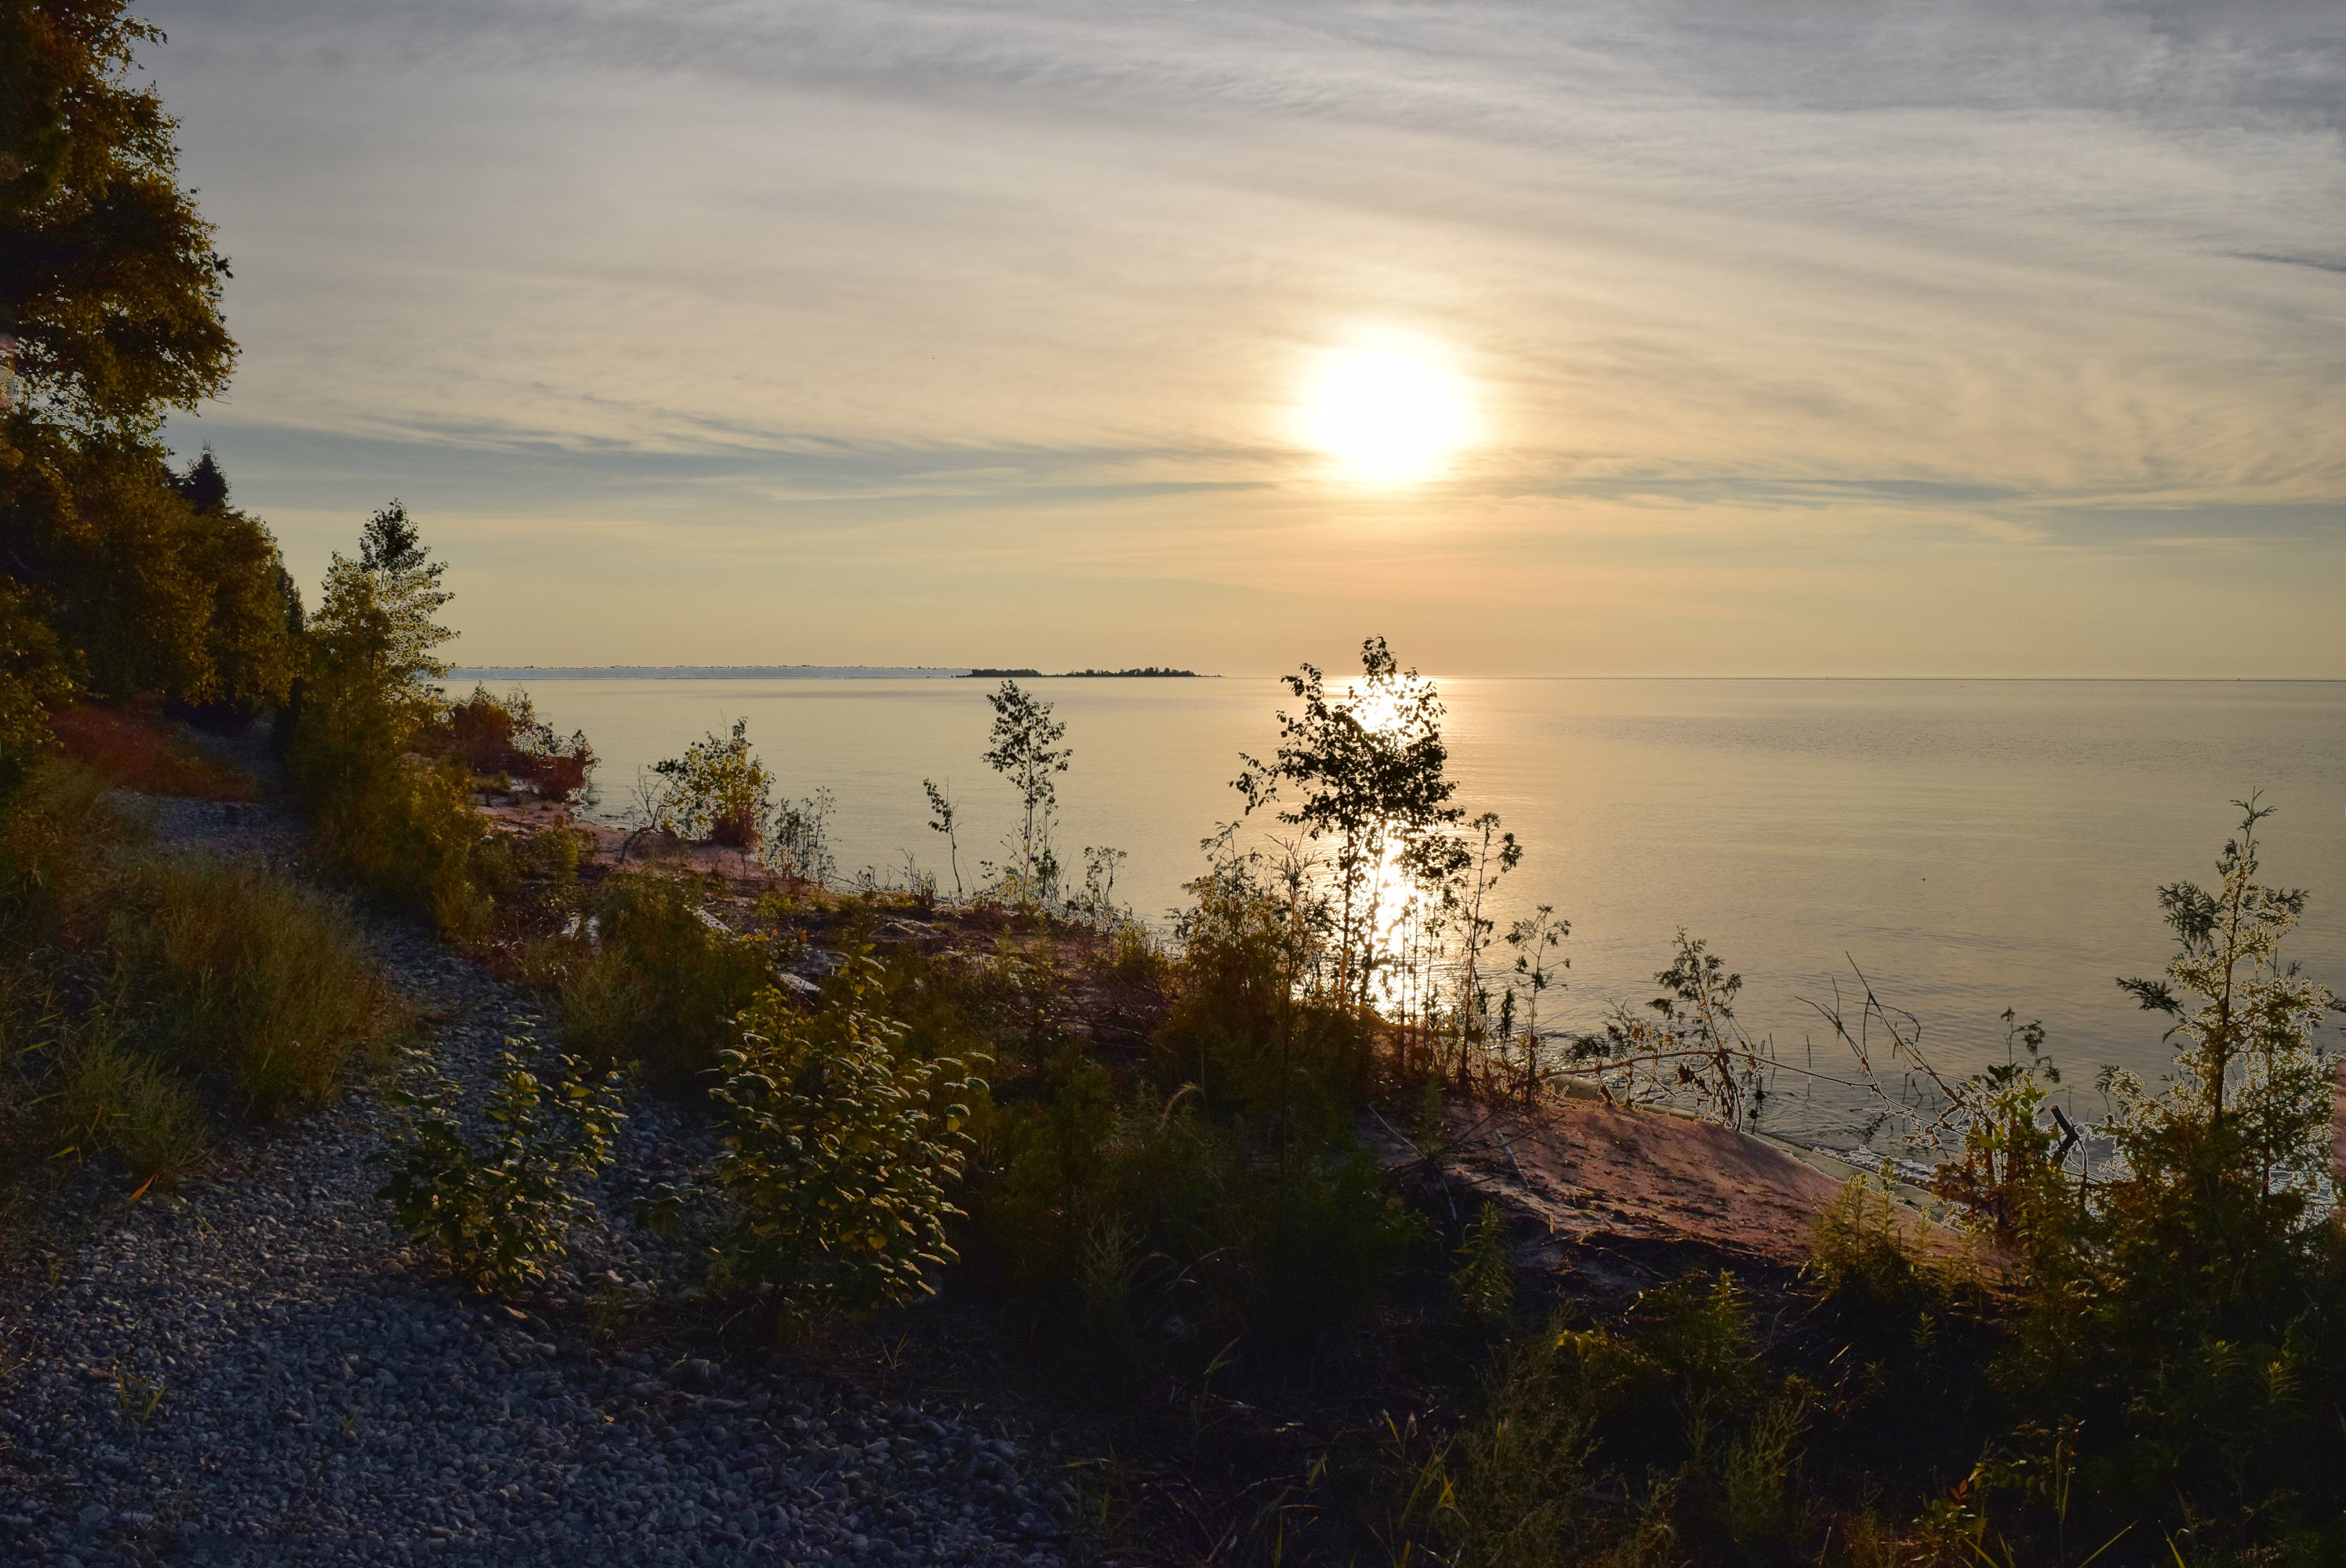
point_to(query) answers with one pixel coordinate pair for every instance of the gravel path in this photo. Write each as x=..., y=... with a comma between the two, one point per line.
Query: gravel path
x=259, y=1371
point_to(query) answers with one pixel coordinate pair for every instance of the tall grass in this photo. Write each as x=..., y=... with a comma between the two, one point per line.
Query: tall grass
x=54, y=832
x=105, y=1097
x=254, y=977
x=147, y=1002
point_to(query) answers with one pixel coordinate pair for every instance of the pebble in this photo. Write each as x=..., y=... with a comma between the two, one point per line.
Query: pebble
x=325, y=1398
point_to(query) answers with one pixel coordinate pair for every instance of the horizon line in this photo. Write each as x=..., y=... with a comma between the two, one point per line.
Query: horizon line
x=930, y=672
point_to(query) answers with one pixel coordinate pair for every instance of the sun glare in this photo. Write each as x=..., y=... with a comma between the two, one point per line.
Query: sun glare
x=1384, y=415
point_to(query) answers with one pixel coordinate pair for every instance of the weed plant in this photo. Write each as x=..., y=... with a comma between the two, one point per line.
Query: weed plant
x=500, y=1215
x=841, y=1148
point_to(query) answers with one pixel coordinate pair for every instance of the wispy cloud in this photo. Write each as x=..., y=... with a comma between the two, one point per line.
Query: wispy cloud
x=1980, y=270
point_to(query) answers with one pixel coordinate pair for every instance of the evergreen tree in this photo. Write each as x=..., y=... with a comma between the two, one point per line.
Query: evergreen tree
x=204, y=487
x=374, y=663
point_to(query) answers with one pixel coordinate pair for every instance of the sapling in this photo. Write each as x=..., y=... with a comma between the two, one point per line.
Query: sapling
x=1027, y=752
x=943, y=818
x=1492, y=856
x=1535, y=939
x=500, y=1215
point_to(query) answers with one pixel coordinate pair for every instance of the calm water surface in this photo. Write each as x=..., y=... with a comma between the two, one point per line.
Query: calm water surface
x=1974, y=845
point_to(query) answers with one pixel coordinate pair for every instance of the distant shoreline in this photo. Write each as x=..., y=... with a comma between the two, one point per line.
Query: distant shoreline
x=794, y=672
x=1150, y=672
x=705, y=672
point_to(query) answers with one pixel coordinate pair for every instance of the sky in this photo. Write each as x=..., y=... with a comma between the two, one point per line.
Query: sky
x=1802, y=336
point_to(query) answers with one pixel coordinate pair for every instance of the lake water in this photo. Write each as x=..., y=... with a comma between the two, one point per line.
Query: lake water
x=1974, y=845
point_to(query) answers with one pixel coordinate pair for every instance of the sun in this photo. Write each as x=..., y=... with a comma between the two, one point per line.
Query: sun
x=1384, y=414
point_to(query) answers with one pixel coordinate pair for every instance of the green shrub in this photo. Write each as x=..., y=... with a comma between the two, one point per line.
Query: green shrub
x=840, y=1148
x=1664, y=1440
x=659, y=986
x=252, y=975
x=504, y=738
x=1242, y=1031
x=1866, y=1250
x=35, y=679
x=1323, y=1231
x=1133, y=956
x=499, y=1215
x=1282, y=1251
x=409, y=833
x=718, y=792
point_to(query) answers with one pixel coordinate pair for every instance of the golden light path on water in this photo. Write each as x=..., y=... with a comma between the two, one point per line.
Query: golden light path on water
x=1975, y=845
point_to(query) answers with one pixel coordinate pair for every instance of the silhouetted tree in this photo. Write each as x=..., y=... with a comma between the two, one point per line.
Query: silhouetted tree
x=1368, y=771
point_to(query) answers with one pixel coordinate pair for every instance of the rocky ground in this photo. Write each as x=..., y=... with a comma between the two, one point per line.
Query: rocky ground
x=259, y=1370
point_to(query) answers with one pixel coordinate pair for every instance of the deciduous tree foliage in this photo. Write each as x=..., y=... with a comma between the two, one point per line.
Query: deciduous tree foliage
x=110, y=293
x=107, y=271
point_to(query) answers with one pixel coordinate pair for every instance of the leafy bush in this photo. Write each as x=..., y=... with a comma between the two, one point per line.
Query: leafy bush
x=499, y=1215
x=136, y=751
x=504, y=737
x=1866, y=1250
x=716, y=792
x=253, y=975
x=1133, y=956
x=410, y=834
x=1517, y=1484
x=1281, y=1250
x=1244, y=1031
x=36, y=679
x=660, y=985
x=1664, y=1440
x=840, y=1149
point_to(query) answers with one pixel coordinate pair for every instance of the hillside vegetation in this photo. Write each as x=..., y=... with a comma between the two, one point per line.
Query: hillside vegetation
x=1005, y=1143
